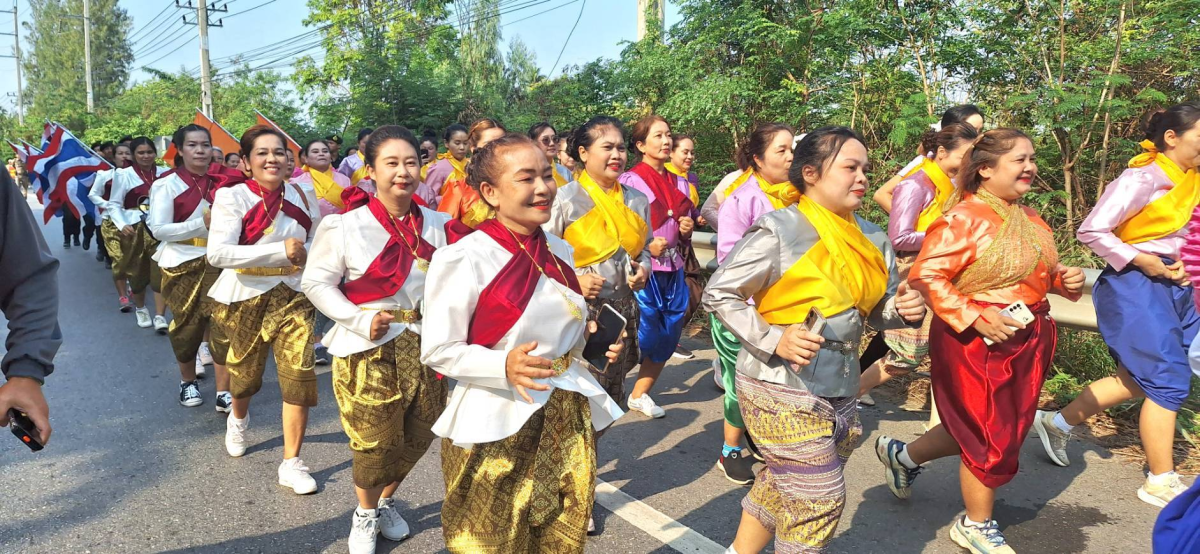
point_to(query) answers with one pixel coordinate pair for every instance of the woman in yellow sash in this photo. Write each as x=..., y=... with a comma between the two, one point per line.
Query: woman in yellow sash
x=796, y=387
x=318, y=173
x=354, y=165
x=450, y=165
x=548, y=140
x=1144, y=303
x=969, y=114
x=457, y=198
x=918, y=202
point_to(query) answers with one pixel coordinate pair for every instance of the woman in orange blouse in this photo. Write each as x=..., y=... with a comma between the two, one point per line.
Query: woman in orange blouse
x=987, y=253
x=458, y=199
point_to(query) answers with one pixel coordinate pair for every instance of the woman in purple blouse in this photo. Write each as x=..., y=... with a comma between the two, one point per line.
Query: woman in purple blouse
x=664, y=302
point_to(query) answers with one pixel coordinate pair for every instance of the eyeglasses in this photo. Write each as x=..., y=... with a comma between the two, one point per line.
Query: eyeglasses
x=550, y=140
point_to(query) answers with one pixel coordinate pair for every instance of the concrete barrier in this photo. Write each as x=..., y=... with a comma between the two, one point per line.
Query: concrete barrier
x=1078, y=315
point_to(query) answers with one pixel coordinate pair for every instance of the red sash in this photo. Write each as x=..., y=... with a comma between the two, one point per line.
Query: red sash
x=389, y=270
x=202, y=187
x=134, y=197
x=355, y=197
x=669, y=202
x=504, y=299
x=262, y=215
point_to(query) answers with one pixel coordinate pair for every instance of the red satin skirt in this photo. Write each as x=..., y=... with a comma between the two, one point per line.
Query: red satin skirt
x=987, y=396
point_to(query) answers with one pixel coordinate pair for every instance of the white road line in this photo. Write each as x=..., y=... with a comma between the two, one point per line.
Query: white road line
x=653, y=522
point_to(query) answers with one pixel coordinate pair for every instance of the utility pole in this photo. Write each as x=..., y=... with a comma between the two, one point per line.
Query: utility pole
x=644, y=7
x=87, y=54
x=17, y=51
x=202, y=22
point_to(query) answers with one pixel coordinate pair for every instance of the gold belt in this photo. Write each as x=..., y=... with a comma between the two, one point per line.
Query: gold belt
x=193, y=242
x=561, y=364
x=268, y=271
x=402, y=315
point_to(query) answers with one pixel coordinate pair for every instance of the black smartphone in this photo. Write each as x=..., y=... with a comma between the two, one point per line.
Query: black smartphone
x=24, y=429
x=609, y=325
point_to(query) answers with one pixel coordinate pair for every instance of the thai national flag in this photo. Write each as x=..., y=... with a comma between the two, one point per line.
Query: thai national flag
x=63, y=172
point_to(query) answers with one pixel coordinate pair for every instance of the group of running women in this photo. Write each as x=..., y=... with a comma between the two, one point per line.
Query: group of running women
x=490, y=263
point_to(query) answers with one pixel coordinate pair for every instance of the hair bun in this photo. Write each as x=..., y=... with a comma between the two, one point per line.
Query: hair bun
x=1153, y=122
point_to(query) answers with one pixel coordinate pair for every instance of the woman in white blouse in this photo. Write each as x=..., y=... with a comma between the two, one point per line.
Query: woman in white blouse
x=367, y=274
x=259, y=236
x=506, y=318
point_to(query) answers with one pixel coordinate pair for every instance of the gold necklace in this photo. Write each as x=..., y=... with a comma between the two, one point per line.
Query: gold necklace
x=270, y=228
x=422, y=263
x=571, y=306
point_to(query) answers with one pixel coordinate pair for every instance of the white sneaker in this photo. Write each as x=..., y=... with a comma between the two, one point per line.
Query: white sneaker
x=646, y=405
x=200, y=369
x=1163, y=493
x=718, y=373
x=294, y=475
x=391, y=525
x=1054, y=440
x=363, y=529
x=160, y=325
x=204, y=354
x=143, y=318
x=235, y=435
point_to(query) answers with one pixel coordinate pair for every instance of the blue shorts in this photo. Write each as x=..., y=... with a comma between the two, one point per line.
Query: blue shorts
x=1149, y=324
x=663, y=305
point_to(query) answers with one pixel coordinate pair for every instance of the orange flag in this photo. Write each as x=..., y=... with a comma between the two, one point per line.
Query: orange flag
x=291, y=143
x=221, y=138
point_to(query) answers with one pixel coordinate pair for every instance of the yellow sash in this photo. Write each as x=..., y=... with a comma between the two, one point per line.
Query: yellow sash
x=458, y=174
x=425, y=169
x=360, y=173
x=781, y=195
x=843, y=270
x=737, y=183
x=559, y=180
x=945, y=188
x=693, y=194
x=1170, y=212
x=608, y=225
x=326, y=187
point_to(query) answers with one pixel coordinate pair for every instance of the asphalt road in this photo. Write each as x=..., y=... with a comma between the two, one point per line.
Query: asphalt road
x=129, y=470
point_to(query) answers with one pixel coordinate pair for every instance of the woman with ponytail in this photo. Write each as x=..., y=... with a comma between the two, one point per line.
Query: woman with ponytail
x=968, y=114
x=1145, y=308
x=457, y=198
x=987, y=252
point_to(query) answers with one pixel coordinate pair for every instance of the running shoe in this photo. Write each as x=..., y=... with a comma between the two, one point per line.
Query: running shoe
x=160, y=325
x=646, y=405
x=980, y=539
x=293, y=474
x=200, y=369
x=737, y=466
x=1054, y=440
x=391, y=525
x=682, y=353
x=321, y=355
x=205, y=354
x=1163, y=493
x=125, y=304
x=866, y=400
x=364, y=529
x=718, y=372
x=143, y=318
x=235, y=435
x=189, y=395
x=224, y=402
x=899, y=477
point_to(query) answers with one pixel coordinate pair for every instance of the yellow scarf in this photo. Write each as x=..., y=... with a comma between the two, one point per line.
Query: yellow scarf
x=693, y=194
x=559, y=180
x=326, y=187
x=781, y=195
x=737, y=183
x=360, y=173
x=1171, y=211
x=458, y=174
x=843, y=270
x=945, y=188
x=425, y=169
x=608, y=225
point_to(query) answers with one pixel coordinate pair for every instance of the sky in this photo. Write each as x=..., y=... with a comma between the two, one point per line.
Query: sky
x=544, y=26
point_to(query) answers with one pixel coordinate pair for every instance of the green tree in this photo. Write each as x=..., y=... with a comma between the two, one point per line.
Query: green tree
x=481, y=65
x=55, y=63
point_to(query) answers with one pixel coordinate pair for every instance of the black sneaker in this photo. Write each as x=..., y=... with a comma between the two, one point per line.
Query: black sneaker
x=682, y=353
x=189, y=395
x=753, y=448
x=66, y=243
x=321, y=355
x=737, y=467
x=99, y=253
x=224, y=402
x=76, y=239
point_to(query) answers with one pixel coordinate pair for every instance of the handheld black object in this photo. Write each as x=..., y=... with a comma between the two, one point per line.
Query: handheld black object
x=609, y=325
x=24, y=429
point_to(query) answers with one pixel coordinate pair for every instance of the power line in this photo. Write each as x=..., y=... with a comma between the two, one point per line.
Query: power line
x=564, y=46
x=149, y=23
x=539, y=13
x=174, y=50
x=247, y=10
x=168, y=22
x=153, y=45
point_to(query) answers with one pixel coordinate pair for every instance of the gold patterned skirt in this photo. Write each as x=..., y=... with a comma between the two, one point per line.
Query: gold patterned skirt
x=112, y=245
x=388, y=402
x=185, y=288
x=531, y=492
x=131, y=259
x=282, y=321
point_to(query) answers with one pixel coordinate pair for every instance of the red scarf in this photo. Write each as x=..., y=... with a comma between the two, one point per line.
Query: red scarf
x=504, y=299
x=134, y=197
x=263, y=214
x=669, y=202
x=202, y=187
x=389, y=270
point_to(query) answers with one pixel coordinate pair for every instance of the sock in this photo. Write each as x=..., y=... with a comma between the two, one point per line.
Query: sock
x=730, y=550
x=220, y=392
x=366, y=513
x=967, y=521
x=182, y=383
x=905, y=459
x=1061, y=423
x=1160, y=479
x=726, y=449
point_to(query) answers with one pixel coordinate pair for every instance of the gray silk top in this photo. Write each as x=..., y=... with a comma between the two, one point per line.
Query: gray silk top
x=572, y=203
x=775, y=242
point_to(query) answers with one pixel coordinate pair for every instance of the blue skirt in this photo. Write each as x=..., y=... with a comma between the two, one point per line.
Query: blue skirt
x=1149, y=325
x=663, y=305
x=1178, y=528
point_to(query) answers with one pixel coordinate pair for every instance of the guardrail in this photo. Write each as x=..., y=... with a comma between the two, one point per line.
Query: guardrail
x=1078, y=315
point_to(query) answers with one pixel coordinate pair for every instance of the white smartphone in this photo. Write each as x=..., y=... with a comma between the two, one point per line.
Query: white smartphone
x=814, y=322
x=1017, y=311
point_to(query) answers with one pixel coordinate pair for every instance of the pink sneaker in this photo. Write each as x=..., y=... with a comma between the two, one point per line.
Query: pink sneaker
x=126, y=305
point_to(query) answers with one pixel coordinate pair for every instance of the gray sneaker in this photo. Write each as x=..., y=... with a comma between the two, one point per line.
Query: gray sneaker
x=899, y=477
x=1054, y=440
x=980, y=539
x=1163, y=494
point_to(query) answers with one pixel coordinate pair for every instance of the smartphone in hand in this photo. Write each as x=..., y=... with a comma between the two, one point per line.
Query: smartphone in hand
x=24, y=429
x=609, y=324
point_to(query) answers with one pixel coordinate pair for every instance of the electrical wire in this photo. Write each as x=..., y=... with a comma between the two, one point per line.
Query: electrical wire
x=564, y=46
x=132, y=36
